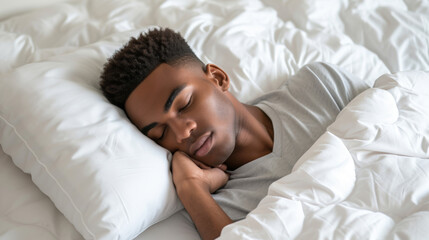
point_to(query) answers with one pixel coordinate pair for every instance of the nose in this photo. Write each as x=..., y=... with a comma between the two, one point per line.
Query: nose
x=182, y=128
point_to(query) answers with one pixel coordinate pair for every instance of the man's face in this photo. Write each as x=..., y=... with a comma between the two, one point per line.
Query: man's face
x=183, y=108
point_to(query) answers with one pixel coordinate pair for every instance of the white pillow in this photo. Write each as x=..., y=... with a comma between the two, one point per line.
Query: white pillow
x=109, y=180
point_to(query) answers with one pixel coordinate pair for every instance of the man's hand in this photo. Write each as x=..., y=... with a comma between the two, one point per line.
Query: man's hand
x=187, y=171
x=194, y=183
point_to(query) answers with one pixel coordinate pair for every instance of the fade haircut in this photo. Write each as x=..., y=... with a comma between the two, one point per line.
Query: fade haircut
x=129, y=66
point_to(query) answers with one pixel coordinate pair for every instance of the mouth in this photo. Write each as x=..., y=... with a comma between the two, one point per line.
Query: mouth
x=202, y=145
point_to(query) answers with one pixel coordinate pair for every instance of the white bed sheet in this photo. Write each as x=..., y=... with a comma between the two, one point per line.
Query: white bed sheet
x=25, y=212
x=259, y=43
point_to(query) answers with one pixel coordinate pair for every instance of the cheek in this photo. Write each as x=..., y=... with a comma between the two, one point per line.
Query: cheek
x=226, y=117
x=218, y=108
x=223, y=122
x=169, y=143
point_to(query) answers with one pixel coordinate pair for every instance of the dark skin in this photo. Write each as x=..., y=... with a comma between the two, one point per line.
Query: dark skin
x=190, y=112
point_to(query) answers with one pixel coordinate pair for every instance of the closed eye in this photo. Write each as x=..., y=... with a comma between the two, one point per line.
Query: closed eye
x=162, y=135
x=187, y=105
x=180, y=110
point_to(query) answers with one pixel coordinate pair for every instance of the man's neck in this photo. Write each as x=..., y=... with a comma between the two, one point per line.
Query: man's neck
x=255, y=137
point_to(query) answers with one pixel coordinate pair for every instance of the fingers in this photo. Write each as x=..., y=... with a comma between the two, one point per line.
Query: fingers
x=217, y=178
x=179, y=159
x=200, y=164
x=180, y=154
x=222, y=167
x=186, y=169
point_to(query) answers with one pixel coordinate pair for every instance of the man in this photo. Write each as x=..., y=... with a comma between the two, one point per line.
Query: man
x=184, y=105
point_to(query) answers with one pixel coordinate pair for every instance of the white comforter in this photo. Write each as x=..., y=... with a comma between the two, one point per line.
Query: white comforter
x=367, y=177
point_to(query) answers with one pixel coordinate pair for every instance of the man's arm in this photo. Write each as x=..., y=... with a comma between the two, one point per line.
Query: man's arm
x=194, y=183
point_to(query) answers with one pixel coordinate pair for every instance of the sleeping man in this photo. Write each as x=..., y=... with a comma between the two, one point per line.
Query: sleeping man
x=226, y=153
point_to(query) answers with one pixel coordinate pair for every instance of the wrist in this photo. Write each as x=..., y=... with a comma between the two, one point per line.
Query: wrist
x=190, y=187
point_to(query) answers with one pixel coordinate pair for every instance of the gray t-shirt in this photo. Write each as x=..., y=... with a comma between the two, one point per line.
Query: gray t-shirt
x=300, y=112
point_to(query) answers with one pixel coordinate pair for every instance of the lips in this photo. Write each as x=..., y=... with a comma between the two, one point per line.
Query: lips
x=202, y=145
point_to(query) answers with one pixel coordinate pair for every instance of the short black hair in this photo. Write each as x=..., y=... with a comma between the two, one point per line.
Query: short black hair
x=130, y=65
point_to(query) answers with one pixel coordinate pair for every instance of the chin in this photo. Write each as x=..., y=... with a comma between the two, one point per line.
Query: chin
x=212, y=159
x=219, y=157
x=219, y=152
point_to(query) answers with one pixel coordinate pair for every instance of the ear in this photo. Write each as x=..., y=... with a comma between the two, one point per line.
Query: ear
x=217, y=76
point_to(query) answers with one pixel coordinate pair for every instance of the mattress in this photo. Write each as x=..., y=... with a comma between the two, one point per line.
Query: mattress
x=259, y=43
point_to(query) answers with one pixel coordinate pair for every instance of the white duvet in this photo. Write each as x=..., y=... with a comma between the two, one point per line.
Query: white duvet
x=367, y=177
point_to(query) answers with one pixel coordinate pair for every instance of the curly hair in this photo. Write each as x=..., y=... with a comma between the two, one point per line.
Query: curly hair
x=129, y=66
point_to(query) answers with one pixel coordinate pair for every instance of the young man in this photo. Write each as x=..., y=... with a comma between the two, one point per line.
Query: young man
x=184, y=105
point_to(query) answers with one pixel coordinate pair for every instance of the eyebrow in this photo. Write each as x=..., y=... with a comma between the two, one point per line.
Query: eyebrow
x=167, y=107
x=172, y=96
x=146, y=129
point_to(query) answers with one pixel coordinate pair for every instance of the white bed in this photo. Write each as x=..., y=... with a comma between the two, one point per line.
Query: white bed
x=365, y=178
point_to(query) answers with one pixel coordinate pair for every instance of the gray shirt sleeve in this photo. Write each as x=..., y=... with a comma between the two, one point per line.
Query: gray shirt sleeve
x=325, y=83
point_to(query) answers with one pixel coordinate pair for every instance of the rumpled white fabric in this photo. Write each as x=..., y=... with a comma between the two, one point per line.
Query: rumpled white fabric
x=365, y=178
